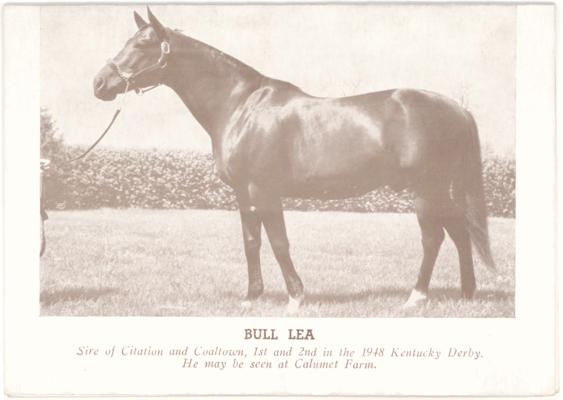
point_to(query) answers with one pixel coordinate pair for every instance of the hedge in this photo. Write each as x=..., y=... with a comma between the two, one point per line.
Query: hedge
x=181, y=179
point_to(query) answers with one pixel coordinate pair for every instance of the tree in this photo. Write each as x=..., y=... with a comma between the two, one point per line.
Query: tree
x=52, y=147
x=52, y=144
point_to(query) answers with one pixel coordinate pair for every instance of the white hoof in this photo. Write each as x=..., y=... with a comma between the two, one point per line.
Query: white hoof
x=416, y=299
x=246, y=304
x=293, y=304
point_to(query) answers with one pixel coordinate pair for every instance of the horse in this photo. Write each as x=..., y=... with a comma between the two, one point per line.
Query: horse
x=272, y=140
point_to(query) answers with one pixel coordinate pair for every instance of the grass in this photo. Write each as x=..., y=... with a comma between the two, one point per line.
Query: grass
x=191, y=263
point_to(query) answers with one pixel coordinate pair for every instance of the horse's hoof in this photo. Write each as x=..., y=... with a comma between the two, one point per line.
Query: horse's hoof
x=251, y=298
x=247, y=304
x=417, y=298
x=293, y=304
x=468, y=296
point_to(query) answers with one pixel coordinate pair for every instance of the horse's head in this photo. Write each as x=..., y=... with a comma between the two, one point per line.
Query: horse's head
x=139, y=64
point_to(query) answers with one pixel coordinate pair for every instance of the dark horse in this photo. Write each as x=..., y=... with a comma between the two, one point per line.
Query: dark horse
x=270, y=140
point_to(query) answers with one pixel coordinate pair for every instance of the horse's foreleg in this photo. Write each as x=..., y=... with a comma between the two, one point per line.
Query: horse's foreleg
x=271, y=212
x=275, y=228
x=432, y=237
x=251, y=231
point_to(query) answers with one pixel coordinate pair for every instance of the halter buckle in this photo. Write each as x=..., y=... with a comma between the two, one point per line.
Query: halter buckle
x=164, y=51
x=165, y=47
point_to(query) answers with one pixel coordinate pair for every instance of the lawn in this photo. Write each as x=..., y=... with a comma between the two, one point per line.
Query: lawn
x=191, y=263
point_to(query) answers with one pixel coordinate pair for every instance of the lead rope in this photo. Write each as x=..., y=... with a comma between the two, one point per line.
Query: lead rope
x=115, y=114
x=164, y=51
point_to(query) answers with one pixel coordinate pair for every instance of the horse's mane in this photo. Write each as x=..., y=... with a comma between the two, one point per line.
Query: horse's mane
x=234, y=62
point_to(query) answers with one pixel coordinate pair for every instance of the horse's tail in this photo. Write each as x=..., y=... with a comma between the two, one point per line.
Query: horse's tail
x=470, y=186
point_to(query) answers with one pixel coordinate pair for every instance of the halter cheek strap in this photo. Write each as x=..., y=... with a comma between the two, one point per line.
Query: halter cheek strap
x=129, y=77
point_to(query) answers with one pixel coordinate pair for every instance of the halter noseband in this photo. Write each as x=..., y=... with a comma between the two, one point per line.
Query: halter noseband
x=129, y=77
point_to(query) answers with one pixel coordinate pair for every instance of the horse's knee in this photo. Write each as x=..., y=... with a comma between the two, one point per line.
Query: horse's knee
x=252, y=244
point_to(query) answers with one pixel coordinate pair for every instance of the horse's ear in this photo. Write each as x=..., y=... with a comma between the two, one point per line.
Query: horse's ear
x=141, y=23
x=157, y=26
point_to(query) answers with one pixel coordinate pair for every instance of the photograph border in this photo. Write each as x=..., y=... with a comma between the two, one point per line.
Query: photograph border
x=27, y=356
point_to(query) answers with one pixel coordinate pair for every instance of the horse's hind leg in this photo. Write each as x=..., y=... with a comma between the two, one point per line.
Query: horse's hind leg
x=456, y=226
x=428, y=213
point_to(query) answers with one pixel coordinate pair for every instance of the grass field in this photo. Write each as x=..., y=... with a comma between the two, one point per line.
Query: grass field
x=191, y=263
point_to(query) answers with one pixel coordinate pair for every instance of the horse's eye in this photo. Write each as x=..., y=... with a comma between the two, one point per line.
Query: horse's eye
x=142, y=43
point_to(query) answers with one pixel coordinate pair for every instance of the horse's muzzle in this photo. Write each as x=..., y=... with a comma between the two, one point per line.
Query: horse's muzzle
x=103, y=90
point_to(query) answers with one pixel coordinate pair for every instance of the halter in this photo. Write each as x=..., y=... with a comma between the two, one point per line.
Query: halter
x=129, y=77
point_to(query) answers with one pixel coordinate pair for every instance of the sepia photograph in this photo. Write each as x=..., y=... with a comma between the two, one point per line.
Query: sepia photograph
x=313, y=160
x=279, y=200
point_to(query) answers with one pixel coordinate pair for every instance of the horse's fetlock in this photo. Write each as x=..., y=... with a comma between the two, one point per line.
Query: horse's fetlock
x=468, y=291
x=254, y=292
x=295, y=288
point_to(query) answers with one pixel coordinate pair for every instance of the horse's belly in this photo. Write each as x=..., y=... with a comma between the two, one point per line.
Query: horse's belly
x=350, y=184
x=328, y=189
x=349, y=171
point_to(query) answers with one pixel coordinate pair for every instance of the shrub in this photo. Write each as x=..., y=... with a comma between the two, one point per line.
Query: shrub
x=181, y=179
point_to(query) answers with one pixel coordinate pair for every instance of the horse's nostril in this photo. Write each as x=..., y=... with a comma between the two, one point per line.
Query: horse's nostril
x=98, y=83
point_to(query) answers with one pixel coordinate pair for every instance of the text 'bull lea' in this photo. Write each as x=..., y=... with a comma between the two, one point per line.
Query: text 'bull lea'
x=270, y=334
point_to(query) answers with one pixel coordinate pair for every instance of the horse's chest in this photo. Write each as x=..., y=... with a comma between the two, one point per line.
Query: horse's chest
x=229, y=163
x=221, y=168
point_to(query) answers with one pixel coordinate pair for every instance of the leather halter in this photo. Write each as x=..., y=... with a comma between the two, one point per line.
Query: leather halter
x=129, y=77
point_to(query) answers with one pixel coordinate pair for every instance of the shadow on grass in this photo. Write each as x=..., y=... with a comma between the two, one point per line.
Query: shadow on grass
x=400, y=294
x=446, y=294
x=49, y=297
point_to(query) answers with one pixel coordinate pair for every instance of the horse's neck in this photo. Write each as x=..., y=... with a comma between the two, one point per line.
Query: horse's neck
x=210, y=83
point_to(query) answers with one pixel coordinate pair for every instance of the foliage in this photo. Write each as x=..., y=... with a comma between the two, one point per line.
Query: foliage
x=181, y=179
x=52, y=146
x=500, y=186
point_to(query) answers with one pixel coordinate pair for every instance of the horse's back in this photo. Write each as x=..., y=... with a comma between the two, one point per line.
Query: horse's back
x=338, y=147
x=314, y=146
